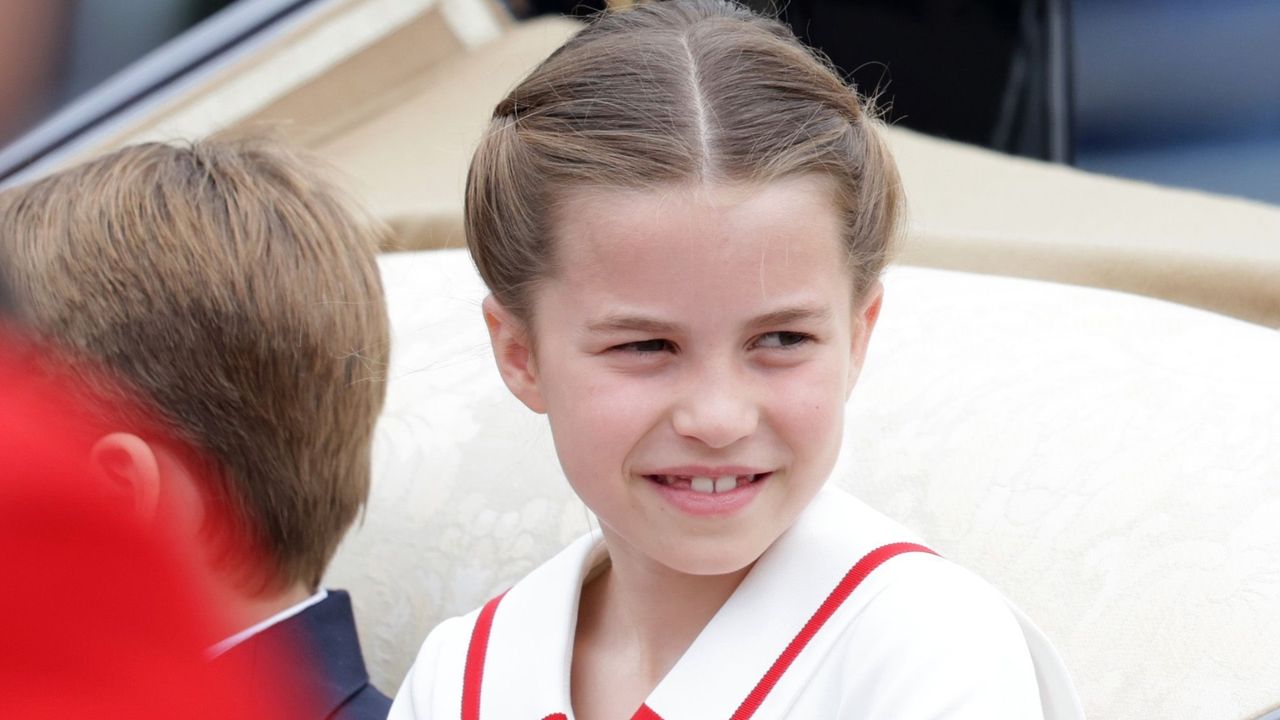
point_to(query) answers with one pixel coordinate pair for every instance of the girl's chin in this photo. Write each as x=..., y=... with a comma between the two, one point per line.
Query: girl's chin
x=703, y=557
x=713, y=557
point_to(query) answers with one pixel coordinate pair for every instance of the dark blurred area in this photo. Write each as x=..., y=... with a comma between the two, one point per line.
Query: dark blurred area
x=53, y=51
x=990, y=73
x=1178, y=92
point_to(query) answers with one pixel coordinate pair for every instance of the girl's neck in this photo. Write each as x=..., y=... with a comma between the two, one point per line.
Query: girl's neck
x=648, y=613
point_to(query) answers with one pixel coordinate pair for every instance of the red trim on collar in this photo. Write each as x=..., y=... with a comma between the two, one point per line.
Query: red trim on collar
x=843, y=589
x=473, y=675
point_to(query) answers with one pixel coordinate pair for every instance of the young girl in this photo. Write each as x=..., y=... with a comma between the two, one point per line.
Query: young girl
x=682, y=215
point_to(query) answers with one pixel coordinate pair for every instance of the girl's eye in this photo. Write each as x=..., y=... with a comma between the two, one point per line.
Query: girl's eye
x=644, y=347
x=783, y=339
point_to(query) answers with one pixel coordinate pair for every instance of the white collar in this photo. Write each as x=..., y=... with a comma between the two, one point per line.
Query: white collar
x=528, y=664
x=782, y=592
x=221, y=647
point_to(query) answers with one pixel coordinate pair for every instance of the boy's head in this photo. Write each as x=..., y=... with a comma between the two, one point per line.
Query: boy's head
x=237, y=292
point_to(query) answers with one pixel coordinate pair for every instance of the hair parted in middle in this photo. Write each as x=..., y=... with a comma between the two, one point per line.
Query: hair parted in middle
x=672, y=92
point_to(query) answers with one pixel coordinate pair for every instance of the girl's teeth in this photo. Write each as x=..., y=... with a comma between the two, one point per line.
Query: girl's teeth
x=710, y=485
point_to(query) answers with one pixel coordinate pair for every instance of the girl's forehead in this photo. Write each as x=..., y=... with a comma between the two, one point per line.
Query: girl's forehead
x=696, y=217
x=700, y=244
x=602, y=202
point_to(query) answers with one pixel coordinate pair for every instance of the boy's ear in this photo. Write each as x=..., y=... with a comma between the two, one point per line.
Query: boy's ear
x=130, y=471
x=513, y=351
x=864, y=321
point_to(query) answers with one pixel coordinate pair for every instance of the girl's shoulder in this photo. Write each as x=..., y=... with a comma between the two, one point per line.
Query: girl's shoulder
x=930, y=624
x=921, y=621
x=433, y=678
x=536, y=625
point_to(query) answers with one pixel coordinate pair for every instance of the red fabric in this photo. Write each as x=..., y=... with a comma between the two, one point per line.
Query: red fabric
x=646, y=713
x=842, y=591
x=101, y=615
x=473, y=675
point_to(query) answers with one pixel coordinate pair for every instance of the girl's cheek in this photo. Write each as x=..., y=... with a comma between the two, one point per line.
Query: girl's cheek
x=616, y=400
x=809, y=398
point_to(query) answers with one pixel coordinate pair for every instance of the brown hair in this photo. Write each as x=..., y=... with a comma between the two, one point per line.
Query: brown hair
x=701, y=90
x=234, y=289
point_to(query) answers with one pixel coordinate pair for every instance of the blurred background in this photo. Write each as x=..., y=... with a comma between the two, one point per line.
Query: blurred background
x=1177, y=92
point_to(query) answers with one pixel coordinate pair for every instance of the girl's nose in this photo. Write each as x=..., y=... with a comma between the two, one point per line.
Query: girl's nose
x=716, y=410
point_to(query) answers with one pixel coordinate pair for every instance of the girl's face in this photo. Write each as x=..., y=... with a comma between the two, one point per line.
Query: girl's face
x=693, y=354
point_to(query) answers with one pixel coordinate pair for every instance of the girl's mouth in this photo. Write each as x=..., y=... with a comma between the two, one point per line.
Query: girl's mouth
x=706, y=485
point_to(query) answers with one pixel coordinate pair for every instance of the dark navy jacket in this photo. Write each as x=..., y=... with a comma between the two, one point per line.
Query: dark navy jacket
x=335, y=682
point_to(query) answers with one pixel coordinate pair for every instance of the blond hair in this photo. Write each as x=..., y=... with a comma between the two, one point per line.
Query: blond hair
x=237, y=292
x=669, y=92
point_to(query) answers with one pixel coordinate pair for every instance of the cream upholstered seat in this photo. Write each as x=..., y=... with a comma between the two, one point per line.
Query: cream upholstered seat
x=1111, y=462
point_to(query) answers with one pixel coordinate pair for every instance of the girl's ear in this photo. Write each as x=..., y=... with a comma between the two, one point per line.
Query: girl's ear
x=864, y=321
x=130, y=472
x=513, y=350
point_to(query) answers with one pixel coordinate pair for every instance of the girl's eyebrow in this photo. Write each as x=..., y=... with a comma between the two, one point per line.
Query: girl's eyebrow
x=798, y=314
x=642, y=324
x=631, y=323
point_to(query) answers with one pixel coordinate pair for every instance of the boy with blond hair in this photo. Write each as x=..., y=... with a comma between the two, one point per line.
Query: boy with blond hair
x=235, y=292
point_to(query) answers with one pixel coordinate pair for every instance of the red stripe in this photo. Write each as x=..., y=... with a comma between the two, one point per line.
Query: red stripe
x=646, y=713
x=474, y=673
x=846, y=586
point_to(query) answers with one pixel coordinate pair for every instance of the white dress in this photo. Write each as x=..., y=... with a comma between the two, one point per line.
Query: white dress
x=804, y=636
